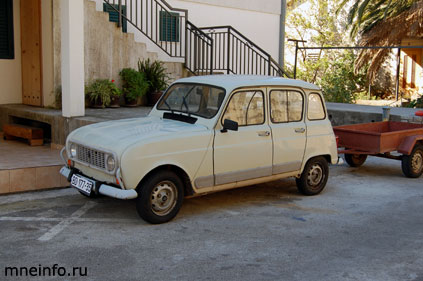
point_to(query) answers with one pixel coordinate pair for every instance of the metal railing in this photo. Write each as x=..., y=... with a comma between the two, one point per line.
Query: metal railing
x=199, y=52
x=205, y=50
x=234, y=53
x=164, y=25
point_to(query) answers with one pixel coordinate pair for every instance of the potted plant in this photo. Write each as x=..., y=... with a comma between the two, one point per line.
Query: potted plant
x=100, y=92
x=134, y=86
x=116, y=93
x=156, y=76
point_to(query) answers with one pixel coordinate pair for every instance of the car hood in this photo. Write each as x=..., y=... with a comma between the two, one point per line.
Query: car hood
x=117, y=135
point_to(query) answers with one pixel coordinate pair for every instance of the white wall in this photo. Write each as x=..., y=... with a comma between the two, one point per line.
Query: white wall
x=10, y=70
x=258, y=20
x=260, y=27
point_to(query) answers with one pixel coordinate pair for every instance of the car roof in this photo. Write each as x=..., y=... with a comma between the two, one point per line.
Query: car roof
x=231, y=82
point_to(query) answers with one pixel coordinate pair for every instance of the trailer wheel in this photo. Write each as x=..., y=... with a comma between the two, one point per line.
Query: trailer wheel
x=412, y=165
x=355, y=160
x=314, y=176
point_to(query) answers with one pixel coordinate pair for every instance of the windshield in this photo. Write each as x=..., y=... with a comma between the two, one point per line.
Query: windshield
x=195, y=99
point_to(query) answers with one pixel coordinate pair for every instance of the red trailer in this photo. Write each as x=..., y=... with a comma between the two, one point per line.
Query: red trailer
x=382, y=139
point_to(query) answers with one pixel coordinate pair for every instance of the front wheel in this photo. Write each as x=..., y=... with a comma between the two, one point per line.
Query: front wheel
x=160, y=197
x=314, y=177
x=412, y=165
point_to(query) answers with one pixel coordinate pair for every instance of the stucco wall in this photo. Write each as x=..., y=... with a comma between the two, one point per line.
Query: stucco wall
x=10, y=70
x=107, y=49
x=258, y=20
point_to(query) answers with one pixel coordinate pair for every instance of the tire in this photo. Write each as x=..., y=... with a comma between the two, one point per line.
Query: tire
x=314, y=177
x=355, y=160
x=160, y=197
x=412, y=165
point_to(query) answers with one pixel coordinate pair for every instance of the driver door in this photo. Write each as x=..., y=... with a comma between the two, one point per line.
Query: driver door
x=247, y=153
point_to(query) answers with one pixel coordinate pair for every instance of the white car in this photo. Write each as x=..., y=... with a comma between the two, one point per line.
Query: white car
x=206, y=133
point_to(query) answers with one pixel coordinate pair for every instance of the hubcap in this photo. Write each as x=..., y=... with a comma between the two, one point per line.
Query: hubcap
x=417, y=162
x=163, y=198
x=315, y=175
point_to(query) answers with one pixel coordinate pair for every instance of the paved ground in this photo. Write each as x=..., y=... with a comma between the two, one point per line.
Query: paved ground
x=366, y=225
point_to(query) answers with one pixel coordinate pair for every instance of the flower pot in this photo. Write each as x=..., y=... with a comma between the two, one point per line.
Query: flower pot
x=154, y=97
x=131, y=103
x=97, y=104
x=114, y=102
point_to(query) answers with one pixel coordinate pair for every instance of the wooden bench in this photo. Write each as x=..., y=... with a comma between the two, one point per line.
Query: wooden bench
x=35, y=136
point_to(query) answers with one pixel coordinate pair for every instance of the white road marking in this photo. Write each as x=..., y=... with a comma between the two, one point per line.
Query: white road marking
x=64, y=223
x=29, y=219
x=43, y=219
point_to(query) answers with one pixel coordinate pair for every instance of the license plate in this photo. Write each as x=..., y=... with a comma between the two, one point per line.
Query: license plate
x=83, y=184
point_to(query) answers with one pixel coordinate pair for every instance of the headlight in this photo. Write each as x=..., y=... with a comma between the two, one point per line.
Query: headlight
x=73, y=150
x=110, y=163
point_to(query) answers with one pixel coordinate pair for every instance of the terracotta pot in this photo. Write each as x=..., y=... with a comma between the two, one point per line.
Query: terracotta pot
x=131, y=103
x=154, y=97
x=114, y=103
x=97, y=104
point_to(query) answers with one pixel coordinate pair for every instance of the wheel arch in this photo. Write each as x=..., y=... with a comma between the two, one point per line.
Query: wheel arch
x=188, y=190
x=326, y=156
x=408, y=143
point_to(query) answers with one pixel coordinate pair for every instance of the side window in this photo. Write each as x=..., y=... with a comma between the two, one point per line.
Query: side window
x=246, y=108
x=316, y=110
x=279, y=106
x=286, y=106
x=295, y=106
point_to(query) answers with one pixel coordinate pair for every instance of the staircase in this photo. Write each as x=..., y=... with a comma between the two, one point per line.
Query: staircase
x=206, y=50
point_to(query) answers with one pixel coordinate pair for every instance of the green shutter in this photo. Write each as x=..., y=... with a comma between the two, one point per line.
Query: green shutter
x=169, y=26
x=7, y=49
x=114, y=15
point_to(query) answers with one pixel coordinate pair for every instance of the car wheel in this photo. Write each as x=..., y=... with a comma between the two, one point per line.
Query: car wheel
x=412, y=165
x=160, y=197
x=314, y=177
x=355, y=160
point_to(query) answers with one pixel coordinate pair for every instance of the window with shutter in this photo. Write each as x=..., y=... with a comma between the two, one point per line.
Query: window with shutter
x=114, y=15
x=6, y=30
x=169, y=26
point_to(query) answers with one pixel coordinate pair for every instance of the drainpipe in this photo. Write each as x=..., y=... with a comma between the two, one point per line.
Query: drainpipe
x=282, y=34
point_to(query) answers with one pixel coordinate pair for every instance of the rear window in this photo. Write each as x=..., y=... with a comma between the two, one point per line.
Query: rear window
x=316, y=110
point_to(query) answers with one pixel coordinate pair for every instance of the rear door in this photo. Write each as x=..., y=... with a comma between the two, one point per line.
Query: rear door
x=287, y=121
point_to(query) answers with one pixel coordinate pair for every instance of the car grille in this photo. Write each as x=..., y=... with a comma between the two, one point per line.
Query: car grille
x=91, y=156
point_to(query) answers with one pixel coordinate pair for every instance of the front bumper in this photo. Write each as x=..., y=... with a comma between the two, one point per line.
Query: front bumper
x=103, y=188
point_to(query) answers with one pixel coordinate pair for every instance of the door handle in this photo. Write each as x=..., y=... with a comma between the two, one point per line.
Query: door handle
x=300, y=130
x=263, y=133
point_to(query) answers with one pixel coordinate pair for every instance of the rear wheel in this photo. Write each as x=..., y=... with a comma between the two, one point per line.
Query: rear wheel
x=412, y=165
x=355, y=160
x=160, y=197
x=314, y=177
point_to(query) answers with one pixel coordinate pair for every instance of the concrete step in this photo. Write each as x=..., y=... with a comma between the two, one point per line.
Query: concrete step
x=26, y=168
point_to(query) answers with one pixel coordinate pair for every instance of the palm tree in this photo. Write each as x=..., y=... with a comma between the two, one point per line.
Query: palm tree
x=366, y=14
x=383, y=23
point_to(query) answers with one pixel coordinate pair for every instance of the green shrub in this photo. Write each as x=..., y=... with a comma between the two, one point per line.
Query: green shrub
x=134, y=84
x=155, y=74
x=100, y=92
x=417, y=103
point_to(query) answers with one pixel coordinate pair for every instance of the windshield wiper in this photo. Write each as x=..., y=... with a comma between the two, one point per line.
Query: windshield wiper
x=184, y=102
x=168, y=106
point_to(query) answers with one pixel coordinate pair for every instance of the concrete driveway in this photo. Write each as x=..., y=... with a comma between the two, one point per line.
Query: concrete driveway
x=366, y=225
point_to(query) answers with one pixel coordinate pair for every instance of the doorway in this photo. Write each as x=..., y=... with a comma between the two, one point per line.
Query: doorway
x=30, y=13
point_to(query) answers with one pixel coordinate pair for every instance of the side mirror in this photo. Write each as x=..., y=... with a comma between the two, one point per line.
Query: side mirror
x=229, y=125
